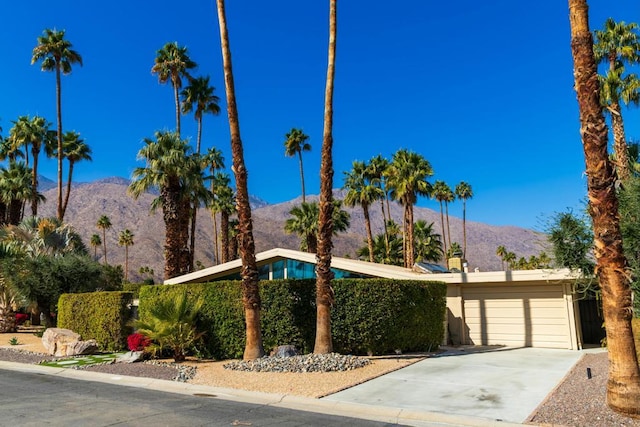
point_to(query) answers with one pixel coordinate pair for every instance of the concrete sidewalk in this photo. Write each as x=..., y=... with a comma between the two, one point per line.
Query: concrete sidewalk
x=500, y=384
x=456, y=388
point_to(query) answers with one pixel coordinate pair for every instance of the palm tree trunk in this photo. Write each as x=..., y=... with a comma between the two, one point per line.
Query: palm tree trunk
x=620, y=143
x=60, y=154
x=192, y=235
x=301, y=176
x=104, y=243
x=199, y=138
x=367, y=226
x=444, y=236
x=34, y=184
x=464, y=228
x=66, y=196
x=410, y=246
x=126, y=263
x=177, y=99
x=623, y=387
x=250, y=291
x=324, y=291
x=446, y=208
x=216, y=249
x=224, y=236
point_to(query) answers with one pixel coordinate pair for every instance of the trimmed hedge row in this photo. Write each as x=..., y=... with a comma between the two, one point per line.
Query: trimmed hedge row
x=371, y=316
x=103, y=316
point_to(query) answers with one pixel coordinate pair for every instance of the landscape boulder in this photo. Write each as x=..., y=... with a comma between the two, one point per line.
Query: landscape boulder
x=61, y=342
x=284, y=351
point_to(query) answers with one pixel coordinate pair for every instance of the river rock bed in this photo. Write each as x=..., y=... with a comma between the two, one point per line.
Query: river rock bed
x=307, y=363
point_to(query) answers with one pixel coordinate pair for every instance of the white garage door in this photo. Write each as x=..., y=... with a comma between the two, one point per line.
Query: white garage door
x=517, y=315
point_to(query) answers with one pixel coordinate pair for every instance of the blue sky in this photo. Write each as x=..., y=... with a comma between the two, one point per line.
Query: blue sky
x=483, y=90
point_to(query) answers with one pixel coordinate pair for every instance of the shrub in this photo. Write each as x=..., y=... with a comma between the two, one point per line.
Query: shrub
x=138, y=342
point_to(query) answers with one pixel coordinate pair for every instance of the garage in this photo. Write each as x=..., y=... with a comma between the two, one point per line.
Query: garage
x=517, y=315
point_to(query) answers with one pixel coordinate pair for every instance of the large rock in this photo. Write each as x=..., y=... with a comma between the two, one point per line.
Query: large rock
x=61, y=342
x=284, y=351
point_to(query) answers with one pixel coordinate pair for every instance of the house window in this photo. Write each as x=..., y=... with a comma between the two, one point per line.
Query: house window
x=277, y=270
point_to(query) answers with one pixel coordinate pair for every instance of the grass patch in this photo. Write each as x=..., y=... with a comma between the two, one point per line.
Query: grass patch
x=92, y=359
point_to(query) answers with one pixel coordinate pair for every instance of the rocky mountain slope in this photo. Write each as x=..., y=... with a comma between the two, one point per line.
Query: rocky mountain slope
x=109, y=197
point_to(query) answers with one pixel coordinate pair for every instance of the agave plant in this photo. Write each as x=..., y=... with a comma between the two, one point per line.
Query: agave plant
x=170, y=324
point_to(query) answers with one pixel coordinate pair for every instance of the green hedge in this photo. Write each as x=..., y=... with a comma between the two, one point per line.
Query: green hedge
x=103, y=316
x=371, y=316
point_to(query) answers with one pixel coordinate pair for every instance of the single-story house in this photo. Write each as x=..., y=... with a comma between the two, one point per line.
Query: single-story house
x=534, y=308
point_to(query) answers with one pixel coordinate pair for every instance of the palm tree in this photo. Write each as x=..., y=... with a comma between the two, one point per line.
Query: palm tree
x=617, y=43
x=75, y=150
x=325, y=297
x=194, y=181
x=57, y=55
x=199, y=94
x=250, y=291
x=304, y=222
x=125, y=238
x=15, y=190
x=501, y=251
x=362, y=192
x=375, y=173
x=168, y=166
x=171, y=323
x=623, y=387
x=34, y=131
x=440, y=193
x=295, y=144
x=428, y=246
x=407, y=178
x=225, y=204
x=172, y=63
x=464, y=192
x=215, y=162
x=95, y=241
x=387, y=249
x=104, y=224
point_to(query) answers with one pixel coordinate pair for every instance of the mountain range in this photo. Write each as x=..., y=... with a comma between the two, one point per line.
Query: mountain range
x=89, y=201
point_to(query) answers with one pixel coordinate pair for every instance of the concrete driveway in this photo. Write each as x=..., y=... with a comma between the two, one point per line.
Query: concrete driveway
x=505, y=384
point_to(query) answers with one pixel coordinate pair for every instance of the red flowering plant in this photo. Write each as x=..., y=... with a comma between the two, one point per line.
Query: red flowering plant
x=138, y=342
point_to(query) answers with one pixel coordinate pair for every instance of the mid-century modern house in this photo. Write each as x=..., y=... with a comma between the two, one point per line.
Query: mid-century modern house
x=531, y=308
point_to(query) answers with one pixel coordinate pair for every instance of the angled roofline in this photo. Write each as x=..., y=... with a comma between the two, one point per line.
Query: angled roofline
x=379, y=270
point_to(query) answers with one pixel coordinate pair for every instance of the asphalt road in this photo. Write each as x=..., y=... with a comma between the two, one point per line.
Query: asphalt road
x=34, y=399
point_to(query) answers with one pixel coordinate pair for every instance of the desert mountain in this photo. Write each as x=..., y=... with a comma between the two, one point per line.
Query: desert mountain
x=109, y=197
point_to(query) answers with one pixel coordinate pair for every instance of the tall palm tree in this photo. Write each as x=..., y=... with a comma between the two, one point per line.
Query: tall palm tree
x=386, y=249
x=407, y=178
x=172, y=63
x=215, y=161
x=75, y=150
x=428, y=246
x=616, y=44
x=95, y=241
x=441, y=193
x=199, y=94
x=623, y=387
x=104, y=224
x=168, y=166
x=464, y=192
x=56, y=54
x=200, y=195
x=294, y=144
x=125, y=238
x=361, y=191
x=250, y=292
x=324, y=291
x=34, y=131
